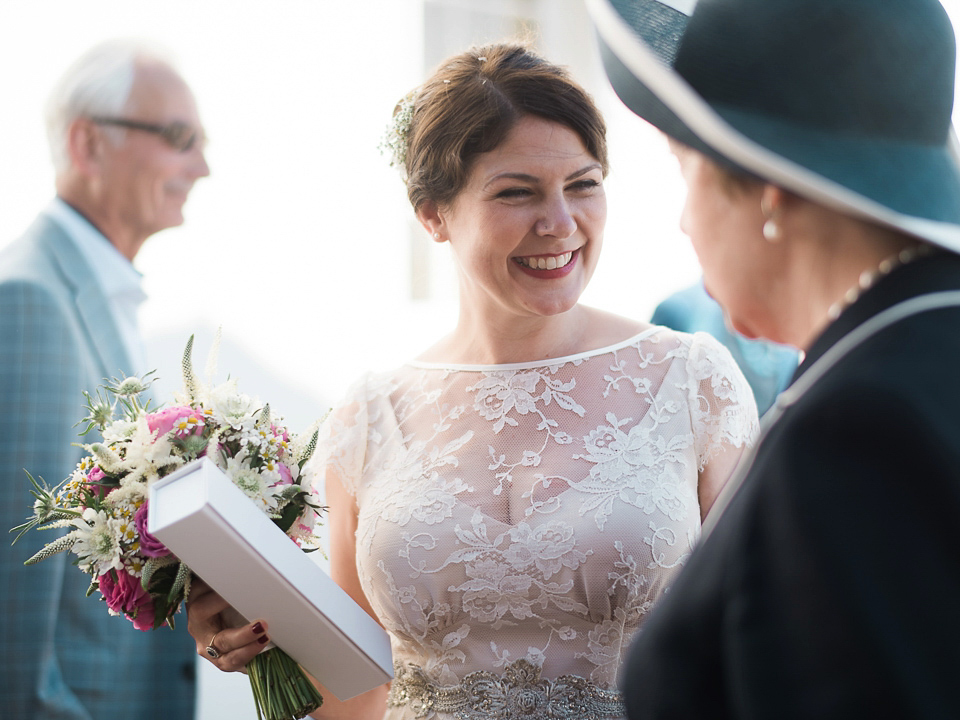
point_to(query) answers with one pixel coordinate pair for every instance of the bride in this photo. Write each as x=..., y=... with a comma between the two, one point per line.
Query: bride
x=510, y=504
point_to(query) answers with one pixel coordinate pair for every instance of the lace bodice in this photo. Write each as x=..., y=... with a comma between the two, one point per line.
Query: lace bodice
x=528, y=516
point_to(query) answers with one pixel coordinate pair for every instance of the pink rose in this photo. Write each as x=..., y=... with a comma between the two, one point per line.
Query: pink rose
x=149, y=545
x=94, y=480
x=184, y=419
x=124, y=594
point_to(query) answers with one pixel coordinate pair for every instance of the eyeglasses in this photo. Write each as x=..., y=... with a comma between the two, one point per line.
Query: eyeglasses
x=178, y=135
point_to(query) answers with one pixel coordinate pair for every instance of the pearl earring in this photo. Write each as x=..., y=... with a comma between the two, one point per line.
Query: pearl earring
x=771, y=228
x=436, y=236
x=771, y=231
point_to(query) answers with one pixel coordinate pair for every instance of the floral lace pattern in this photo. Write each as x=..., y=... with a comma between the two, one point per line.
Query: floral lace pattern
x=531, y=513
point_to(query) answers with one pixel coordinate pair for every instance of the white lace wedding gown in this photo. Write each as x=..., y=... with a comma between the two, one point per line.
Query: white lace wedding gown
x=517, y=522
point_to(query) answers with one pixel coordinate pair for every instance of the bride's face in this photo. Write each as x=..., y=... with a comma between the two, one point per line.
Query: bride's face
x=527, y=228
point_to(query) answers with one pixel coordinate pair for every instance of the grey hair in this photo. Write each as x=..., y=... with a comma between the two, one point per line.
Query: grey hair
x=99, y=82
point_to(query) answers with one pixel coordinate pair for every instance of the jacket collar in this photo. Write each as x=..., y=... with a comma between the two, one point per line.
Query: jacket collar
x=96, y=317
x=933, y=273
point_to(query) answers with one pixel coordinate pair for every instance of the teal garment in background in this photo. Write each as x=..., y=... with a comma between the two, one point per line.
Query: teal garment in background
x=767, y=366
x=64, y=657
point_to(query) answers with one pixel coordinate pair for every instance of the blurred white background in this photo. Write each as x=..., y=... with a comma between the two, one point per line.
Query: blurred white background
x=301, y=245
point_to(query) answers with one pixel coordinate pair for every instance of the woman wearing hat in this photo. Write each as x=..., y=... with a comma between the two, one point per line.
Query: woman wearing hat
x=823, y=202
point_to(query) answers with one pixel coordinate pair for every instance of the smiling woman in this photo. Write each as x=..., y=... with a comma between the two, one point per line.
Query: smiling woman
x=516, y=186
x=526, y=233
x=543, y=469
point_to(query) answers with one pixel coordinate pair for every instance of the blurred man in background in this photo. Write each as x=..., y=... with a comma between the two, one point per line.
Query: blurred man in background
x=127, y=147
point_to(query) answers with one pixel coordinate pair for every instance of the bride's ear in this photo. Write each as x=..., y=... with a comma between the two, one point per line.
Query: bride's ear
x=432, y=220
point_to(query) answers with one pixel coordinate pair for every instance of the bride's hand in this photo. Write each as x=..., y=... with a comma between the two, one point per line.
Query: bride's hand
x=232, y=648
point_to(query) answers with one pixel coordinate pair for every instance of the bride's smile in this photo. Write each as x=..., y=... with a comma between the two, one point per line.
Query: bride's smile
x=539, y=263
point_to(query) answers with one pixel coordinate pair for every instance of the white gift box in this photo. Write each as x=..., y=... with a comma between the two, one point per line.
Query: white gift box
x=222, y=536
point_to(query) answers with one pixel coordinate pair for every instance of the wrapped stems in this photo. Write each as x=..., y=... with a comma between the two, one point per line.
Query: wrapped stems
x=281, y=689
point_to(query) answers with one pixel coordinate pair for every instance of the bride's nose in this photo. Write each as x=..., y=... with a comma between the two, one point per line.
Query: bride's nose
x=556, y=220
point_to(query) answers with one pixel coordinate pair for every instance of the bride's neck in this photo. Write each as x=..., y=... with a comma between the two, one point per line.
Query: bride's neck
x=481, y=342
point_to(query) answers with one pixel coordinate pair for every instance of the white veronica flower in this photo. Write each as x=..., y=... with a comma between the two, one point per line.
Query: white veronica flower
x=98, y=541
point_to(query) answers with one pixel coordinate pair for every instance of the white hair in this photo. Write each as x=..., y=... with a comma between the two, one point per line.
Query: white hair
x=97, y=83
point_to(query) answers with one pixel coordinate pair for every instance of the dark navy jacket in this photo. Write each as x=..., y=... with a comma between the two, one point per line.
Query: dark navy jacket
x=830, y=586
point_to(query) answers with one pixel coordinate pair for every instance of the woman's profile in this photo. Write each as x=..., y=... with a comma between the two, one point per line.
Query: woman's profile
x=823, y=202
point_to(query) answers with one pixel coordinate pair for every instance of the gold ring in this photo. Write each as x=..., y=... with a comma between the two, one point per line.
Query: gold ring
x=211, y=648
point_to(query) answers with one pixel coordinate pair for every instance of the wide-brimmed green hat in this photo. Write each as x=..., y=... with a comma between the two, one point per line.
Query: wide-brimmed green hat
x=845, y=102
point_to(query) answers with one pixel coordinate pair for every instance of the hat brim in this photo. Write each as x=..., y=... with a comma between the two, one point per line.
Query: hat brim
x=913, y=188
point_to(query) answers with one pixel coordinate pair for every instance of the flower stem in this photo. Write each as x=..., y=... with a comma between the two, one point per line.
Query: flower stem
x=281, y=689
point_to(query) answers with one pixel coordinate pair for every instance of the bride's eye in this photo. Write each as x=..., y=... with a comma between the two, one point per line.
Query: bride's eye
x=518, y=192
x=583, y=185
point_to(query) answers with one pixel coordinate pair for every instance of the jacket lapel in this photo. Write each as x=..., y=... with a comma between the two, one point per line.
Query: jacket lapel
x=93, y=309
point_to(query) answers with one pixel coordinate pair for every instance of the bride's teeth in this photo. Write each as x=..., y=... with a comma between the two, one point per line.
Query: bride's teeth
x=547, y=263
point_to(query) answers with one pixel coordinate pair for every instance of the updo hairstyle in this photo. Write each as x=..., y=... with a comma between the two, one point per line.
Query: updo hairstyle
x=473, y=101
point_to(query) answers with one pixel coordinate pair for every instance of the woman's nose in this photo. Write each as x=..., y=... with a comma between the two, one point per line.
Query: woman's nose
x=557, y=220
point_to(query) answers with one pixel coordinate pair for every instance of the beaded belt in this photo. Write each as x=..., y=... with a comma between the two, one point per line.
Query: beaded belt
x=518, y=693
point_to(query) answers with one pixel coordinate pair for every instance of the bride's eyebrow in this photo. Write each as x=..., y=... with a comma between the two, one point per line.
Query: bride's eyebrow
x=525, y=177
x=583, y=171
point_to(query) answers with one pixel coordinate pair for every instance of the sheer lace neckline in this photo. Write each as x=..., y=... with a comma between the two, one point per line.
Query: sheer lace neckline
x=550, y=362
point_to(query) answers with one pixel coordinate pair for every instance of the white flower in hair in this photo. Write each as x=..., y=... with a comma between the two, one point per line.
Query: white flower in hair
x=396, y=138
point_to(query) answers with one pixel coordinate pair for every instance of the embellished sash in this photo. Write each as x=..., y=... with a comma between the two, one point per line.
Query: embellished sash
x=518, y=693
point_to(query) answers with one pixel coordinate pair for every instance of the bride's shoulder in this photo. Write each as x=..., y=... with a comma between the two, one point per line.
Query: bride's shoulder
x=606, y=328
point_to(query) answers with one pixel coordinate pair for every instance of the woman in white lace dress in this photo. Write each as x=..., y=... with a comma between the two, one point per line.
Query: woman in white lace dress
x=510, y=504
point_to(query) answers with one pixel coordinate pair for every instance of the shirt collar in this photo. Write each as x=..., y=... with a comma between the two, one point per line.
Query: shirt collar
x=115, y=274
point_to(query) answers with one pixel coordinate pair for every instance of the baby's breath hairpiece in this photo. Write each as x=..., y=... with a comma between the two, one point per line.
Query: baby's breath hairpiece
x=396, y=138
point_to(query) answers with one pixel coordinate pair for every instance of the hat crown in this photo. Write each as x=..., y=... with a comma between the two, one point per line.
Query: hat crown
x=889, y=64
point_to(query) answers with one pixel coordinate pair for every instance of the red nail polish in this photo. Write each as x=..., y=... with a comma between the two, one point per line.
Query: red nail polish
x=258, y=628
x=263, y=639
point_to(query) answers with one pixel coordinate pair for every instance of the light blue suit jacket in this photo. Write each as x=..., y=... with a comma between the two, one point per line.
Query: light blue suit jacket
x=63, y=656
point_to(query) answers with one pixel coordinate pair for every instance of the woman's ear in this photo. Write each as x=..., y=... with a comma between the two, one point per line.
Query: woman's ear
x=431, y=218
x=772, y=199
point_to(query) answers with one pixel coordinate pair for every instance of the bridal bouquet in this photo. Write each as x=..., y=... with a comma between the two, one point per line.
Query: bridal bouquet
x=103, y=503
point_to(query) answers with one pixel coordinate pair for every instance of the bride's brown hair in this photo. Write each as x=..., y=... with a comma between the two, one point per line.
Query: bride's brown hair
x=472, y=102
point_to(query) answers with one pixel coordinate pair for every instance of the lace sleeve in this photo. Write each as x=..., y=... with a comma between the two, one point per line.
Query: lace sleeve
x=341, y=446
x=722, y=406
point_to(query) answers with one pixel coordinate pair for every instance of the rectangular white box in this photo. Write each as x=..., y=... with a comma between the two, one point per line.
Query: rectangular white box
x=220, y=534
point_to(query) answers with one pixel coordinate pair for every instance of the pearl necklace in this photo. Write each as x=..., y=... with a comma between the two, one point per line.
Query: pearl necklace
x=868, y=278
